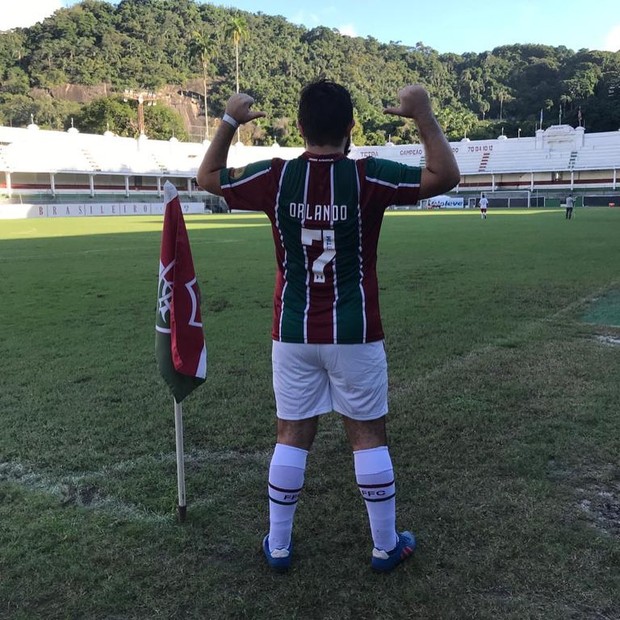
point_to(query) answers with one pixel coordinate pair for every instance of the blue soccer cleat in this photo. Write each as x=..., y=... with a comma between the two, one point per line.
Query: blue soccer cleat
x=278, y=559
x=385, y=561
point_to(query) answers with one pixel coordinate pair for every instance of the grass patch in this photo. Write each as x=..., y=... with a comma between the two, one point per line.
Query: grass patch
x=503, y=424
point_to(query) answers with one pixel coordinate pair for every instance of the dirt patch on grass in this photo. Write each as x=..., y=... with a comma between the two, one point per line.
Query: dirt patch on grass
x=602, y=508
x=596, y=490
x=609, y=340
x=86, y=495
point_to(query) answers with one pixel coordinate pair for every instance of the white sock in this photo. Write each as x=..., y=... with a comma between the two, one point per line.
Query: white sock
x=286, y=479
x=375, y=479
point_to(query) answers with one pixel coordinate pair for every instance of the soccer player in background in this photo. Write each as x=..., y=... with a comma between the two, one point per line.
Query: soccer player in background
x=570, y=203
x=483, y=203
x=328, y=344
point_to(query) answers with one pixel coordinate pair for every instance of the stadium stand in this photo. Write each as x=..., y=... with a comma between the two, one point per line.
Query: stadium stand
x=49, y=167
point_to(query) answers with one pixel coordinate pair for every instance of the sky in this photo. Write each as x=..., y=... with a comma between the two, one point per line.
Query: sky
x=446, y=25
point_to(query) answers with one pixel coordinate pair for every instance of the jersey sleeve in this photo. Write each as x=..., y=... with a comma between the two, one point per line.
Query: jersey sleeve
x=250, y=188
x=391, y=183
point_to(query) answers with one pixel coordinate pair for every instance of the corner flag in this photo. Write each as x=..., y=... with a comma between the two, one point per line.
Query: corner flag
x=179, y=340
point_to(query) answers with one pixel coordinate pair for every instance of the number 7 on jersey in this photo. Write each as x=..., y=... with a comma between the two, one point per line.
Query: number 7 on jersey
x=328, y=239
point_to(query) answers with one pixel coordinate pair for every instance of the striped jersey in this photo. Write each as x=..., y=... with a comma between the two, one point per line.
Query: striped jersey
x=326, y=213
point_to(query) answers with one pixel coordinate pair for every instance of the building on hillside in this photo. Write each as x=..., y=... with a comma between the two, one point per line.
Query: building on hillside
x=49, y=167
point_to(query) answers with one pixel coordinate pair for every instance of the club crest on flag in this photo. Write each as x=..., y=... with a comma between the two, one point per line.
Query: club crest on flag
x=164, y=299
x=179, y=343
x=165, y=296
x=194, y=294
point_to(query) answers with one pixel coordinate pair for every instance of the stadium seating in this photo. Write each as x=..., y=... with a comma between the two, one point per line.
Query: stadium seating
x=43, y=163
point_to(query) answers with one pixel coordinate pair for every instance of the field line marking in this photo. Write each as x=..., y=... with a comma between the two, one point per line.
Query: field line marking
x=68, y=492
x=482, y=350
x=79, y=489
x=15, y=258
x=613, y=284
x=24, y=232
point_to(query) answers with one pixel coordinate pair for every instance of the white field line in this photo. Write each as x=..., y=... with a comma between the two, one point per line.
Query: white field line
x=80, y=489
x=133, y=248
x=76, y=484
x=609, y=340
x=68, y=490
x=486, y=349
x=30, y=231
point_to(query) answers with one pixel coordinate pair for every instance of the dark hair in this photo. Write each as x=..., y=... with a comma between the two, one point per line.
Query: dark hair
x=325, y=112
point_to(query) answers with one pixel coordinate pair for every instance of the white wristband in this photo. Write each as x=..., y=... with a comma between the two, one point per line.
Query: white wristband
x=227, y=118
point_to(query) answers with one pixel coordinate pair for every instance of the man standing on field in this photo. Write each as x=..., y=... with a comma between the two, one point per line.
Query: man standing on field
x=570, y=203
x=328, y=353
x=483, y=204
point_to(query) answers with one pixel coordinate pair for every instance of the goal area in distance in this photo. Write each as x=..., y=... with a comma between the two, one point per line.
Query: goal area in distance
x=520, y=199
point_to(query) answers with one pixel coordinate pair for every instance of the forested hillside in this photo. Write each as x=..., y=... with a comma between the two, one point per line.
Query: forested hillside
x=174, y=52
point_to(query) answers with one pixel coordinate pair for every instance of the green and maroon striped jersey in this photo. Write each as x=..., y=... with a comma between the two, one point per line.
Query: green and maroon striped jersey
x=326, y=213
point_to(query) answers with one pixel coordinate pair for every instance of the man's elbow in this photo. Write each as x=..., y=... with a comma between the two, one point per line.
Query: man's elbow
x=454, y=178
x=209, y=182
x=448, y=180
x=435, y=183
x=202, y=180
x=450, y=177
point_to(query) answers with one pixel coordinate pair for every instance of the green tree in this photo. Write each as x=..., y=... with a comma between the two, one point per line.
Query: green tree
x=151, y=44
x=237, y=31
x=16, y=82
x=484, y=107
x=203, y=48
x=17, y=110
x=164, y=123
x=12, y=52
x=108, y=113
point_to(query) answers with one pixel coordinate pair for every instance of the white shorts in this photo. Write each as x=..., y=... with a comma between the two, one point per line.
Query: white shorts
x=313, y=379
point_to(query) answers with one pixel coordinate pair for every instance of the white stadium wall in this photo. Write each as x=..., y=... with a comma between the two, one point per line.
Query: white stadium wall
x=69, y=174
x=26, y=210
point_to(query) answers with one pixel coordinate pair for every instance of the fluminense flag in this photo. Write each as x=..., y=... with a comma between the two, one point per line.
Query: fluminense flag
x=179, y=340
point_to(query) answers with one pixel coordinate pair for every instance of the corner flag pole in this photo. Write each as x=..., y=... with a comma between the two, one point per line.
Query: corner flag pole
x=178, y=431
x=180, y=346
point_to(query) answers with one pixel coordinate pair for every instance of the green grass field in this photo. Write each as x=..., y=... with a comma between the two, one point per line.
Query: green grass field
x=504, y=423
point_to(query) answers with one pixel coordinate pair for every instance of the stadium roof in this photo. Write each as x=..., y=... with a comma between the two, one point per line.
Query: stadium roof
x=558, y=148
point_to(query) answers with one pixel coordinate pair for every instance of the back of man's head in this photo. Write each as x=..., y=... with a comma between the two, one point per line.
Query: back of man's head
x=325, y=113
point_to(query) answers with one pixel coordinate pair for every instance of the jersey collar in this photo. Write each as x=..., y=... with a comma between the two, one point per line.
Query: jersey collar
x=329, y=157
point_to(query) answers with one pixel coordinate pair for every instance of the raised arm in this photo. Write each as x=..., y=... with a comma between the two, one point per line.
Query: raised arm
x=441, y=173
x=237, y=112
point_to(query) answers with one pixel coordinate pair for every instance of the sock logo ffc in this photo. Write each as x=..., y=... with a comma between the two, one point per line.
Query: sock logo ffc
x=377, y=492
x=283, y=496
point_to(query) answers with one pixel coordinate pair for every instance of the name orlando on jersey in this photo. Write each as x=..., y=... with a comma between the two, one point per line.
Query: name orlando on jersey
x=326, y=214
